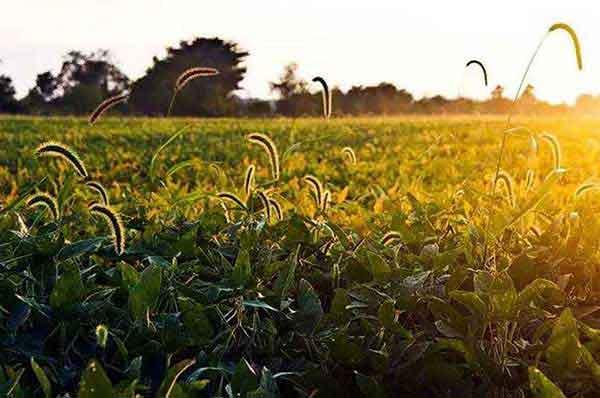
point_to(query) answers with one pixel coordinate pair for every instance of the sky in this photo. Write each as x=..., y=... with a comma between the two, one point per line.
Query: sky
x=421, y=46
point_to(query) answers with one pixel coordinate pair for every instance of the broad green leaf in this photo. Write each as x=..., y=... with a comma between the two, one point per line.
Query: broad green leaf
x=195, y=321
x=498, y=289
x=564, y=350
x=242, y=270
x=472, y=301
x=144, y=295
x=80, y=248
x=379, y=267
x=68, y=289
x=94, y=382
x=541, y=386
x=42, y=378
x=536, y=290
x=310, y=311
x=244, y=379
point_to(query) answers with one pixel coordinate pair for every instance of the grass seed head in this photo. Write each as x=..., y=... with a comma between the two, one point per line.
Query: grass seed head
x=349, y=154
x=106, y=105
x=317, y=188
x=46, y=200
x=249, y=179
x=555, y=146
x=56, y=149
x=232, y=198
x=96, y=186
x=326, y=96
x=114, y=222
x=269, y=146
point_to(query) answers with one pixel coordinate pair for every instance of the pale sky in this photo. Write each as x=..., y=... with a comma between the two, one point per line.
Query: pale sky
x=419, y=45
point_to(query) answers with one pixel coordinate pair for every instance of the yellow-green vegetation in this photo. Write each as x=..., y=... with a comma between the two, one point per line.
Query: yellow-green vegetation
x=311, y=258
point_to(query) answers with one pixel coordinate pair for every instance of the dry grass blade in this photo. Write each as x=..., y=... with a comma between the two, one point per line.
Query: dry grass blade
x=45, y=200
x=56, y=149
x=114, y=222
x=574, y=39
x=269, y=146
x=106, y=105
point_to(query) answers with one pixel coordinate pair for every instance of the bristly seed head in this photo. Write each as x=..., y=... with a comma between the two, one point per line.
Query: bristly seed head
x=115, y=224
x=232, y=198
x=56, y=149
x=96, y=186
x=45, y=200
x=266, y=204
x=106, y=105
x=277, y=207
x=326, y=96
x=349, y=154
x=269, y=146
x=249, y=179
x=317, y=188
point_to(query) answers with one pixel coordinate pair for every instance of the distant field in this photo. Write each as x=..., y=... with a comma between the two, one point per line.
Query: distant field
x=404, y=274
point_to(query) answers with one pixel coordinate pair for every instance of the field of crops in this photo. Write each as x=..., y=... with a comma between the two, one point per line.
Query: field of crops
x=397, y=268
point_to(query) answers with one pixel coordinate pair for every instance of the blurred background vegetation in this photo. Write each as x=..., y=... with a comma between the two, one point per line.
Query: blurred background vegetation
x=85, y=79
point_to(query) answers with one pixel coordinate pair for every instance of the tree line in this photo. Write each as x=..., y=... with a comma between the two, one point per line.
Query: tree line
x=86, y=79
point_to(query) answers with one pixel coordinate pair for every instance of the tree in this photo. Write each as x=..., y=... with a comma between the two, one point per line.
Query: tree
x=8, y=103
x=498, y=93
x=83, y=81
x=209, y=96
x=294, y=97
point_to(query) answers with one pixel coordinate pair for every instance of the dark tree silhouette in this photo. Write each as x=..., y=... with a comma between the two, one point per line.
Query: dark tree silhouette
x=8, y=103
x=294, y=97
x=209, y=96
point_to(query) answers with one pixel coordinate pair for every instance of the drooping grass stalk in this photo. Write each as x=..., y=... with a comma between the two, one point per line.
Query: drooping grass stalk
x=586, y=187
x=187, y=76
x=266, y=204
x=555, y=146
x=577, y=46
x=326, y=96
x=56, y=149
x=349, y=154
x=325, y=201
x=249, y=179
x=529, y=180
x=476, y=62
x=106, y=105
x=508, y=185
x=317, y=188
x=277, y=207
x=232, y=198
x=114, y=222
x=269, y=146
x=97, y=187
x=46, y=200
x=390, y=238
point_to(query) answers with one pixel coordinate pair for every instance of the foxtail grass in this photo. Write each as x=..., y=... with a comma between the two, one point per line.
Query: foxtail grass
x=507, y=180
x=325, y=202
x=391, y=238
x=266, y=204
x=187, y=76
x=476, y=62
x=555, y=147
x=586, y=187
x=326, y=94
x=317, y=188
x=276, y=206
x=97, y=187
x=45, y=200
x=106, y=105
x=249, y=179
x=113, y=220
x=349, y=154
x=56, y=149
x=269, y=146
x=229, y=196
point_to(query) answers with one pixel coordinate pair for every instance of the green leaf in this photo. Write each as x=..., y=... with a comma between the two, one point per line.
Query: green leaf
x=195, y=321
x=169, y=387
x=379, y=267
x=144, y=295
x=94, y=382
x=499, y=291
x=242, y=270
x=541, y=386
x=42, y=378
x=80, y=248
x=163, y=146
x=244, y=379
x=472, y=301
x=68, y=289
x=563, y=352
x=536, y=290
x=368, y=386
x=310, y=311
